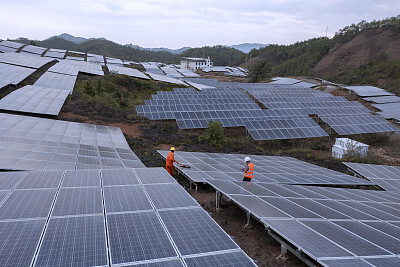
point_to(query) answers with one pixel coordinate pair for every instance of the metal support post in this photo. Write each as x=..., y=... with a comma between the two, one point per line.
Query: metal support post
x=218, y=197
x=248, y=219
x=283, y=252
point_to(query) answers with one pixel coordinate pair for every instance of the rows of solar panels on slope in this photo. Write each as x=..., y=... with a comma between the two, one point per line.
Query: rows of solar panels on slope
x=387, y=177
x=269, y=169
x=116, y=61
x=208, y=82
x=357, y=124
x=35, y=99
x=127, y=71
x=95, y=58
x=30, y=61
x=128, y=197
x=29, y=143
x=283, y=207
x=187, y=73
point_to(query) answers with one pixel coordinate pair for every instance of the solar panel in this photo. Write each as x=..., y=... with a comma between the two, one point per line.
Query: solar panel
x=208, y=236
x=12, y=44
x=75, y=240
x=258, y=207
x=57, y=81
x=125, y=198
x=386, y=177
x=8, y=180
x=50, y=179
x=127, y=71
x=75, y=201
x=164, y=78
x=223, y=259
x=58, y=142
x=143, y=232
x=118, y=177
x=316, y=246
x=366, y=90
x=35, y=99
x=14, y=74
x=346, y=239
x=284, y=129
x=169, y=196
x=382, y=99
x=82, y=178
x=31, y=203
x=163, y=263
x=19, y=241
x=24, y=60
x=365, y=123
x=154, y=176
x=345, y=262
x=34, y=49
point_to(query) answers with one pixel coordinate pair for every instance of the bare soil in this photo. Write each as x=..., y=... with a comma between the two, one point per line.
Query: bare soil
x=365, y=46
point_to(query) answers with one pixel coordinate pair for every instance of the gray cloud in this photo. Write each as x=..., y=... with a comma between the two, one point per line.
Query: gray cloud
x=177, y=23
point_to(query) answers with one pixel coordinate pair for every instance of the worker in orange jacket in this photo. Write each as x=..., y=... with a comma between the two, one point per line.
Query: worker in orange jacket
x=248, y=170
x=170, y=161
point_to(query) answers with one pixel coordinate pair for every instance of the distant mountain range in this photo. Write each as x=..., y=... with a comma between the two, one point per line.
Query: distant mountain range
x=246, y=47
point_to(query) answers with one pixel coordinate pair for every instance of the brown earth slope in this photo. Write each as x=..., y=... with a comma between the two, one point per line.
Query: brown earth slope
x=364, y=47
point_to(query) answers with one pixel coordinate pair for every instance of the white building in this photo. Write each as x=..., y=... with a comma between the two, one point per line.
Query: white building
x=193, y=63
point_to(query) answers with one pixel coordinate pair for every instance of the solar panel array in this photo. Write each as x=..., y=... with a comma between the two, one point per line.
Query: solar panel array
x=365, y=123
x=12, y=74
x=389, y=110
x=345, y=117
x=35, y=99
x=171, y=71
x=268, y=169
x=24, y=60
x=75, y=58
x=6, y=49
x=367, y=90
x=116, y=61
x=284, y=129
x=56, y=53
x=36, y=50
x=28, y=143
x=95, y=58
x=387, y=177
x=152, y=67
x=127, y=71
x=10, y=44
x=164, y=78
x=108, y=217
x=187, y=73
x=327, y=224
x=383, y=99
x=57, y=80
x=73, y=68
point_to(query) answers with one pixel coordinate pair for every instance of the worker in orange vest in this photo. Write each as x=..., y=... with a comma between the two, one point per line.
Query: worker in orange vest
x=170, y=161
x=248, y=170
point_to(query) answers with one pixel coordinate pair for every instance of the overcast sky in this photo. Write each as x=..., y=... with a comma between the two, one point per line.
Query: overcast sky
x=194, y=23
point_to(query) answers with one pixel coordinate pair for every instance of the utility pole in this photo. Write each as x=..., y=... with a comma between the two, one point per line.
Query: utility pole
x=326, y=34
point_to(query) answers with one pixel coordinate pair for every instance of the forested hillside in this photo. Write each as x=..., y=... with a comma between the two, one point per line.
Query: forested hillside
x=363, y=53
x=220, y=55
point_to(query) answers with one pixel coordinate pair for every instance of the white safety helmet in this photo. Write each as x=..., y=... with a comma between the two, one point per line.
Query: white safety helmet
x=247, y=159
